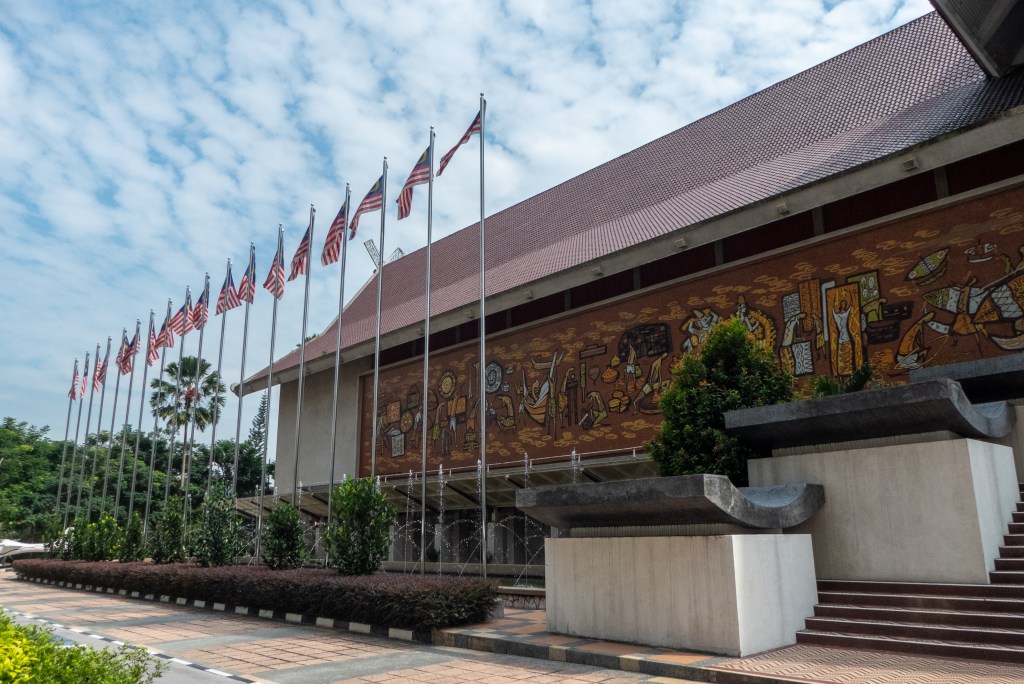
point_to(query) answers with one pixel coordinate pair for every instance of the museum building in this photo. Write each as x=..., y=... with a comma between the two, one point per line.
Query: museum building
x=870, y=208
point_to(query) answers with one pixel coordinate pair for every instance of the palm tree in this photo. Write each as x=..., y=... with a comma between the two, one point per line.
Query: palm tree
x=197, y=403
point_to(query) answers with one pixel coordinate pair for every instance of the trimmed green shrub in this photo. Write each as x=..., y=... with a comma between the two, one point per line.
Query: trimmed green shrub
x=133, y=546
x=283, y=543
x=730, y=371
x=358, y=536
x=101, y=540
x=827, y=386
x=31, y=654
x=418, y=602
x=168, y=545
x=217, y=534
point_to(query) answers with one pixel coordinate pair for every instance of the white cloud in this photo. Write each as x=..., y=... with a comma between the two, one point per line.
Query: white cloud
x=145, y=145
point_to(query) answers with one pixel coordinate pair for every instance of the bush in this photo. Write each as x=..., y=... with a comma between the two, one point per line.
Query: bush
x=218, y=534
x=730, y=371
x=133, y=546
x=418, y=602
x=827, y=386
x=358, y=539
x=283, y=543
x=168, y=545
x=31, y=654
x=101, y=540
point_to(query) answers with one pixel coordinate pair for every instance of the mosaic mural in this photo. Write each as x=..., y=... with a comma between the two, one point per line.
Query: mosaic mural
x=938, y=288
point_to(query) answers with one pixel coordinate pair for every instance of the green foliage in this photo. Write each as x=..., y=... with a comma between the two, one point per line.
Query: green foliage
x=218, y=535
x=31, y=654
x=730, y=371
x=283, y=545
x=168, y=543
x=100, y=540
x=827, y=386
x=133, y=546
x=259, y=425
x=29, y=472
x=358, y=536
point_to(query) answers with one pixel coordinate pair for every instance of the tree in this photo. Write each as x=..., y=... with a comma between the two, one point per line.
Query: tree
x=218, y=534
x=167, y=544
x=358, y=536
x=29, y=472
x=284, y=545
x=194, y=401
x=258, y=431
x=730, y=371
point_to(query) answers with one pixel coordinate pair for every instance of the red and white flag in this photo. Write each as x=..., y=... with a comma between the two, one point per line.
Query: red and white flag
x=420, y=174
x=474, y=128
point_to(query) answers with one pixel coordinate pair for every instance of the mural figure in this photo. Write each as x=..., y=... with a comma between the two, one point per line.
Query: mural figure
x=697, y=327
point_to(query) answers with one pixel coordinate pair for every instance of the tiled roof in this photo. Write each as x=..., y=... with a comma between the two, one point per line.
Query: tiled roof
x=898, y=90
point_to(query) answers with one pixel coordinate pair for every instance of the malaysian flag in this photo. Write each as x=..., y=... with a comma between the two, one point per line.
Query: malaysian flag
x=373, y=201
x=201, y=311
x=123, y=353
x=100, y=376
x=247, y=288
x=73, y=392
x=85, y=379
x=300, y=262
x=420, y=175
x=228, y=297
x=332, y=246
x=152, y=354
x=128, y=358
x=181, y=323
x=474, y=127
x=275, y=279
x=166, y=336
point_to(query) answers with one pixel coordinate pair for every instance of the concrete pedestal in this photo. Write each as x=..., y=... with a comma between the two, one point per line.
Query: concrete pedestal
x=928, y=511
x=732, y=595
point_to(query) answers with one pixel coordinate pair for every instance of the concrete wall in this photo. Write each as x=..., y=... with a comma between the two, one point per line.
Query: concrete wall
x=733, y=594
x=314, y=463
x=930, y=512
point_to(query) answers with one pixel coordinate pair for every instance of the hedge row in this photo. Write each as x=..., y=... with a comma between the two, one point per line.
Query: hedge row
x=406, y=601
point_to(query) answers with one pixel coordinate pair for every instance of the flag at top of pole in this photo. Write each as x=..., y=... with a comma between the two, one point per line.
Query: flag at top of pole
x=85, y=380
x=181, y=323
x=247, y=288
x=201, y=311
x=275, y=278
x=420, y=174
x=228, y=297
x=373, y=201
x=166, y=336
x=332, y=245
x=474, y=128
x=151, y=349
x=73, y=392
x=100, y=376
x=300, y=262
x=126, y=357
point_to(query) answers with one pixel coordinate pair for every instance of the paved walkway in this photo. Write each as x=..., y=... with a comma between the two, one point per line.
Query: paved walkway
x=259, y=650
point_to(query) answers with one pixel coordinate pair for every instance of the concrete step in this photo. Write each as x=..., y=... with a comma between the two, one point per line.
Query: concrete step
x=917, y=631
x=1020, y=505
x=1011, y=577
x=1017, y=516
x=1013, y=539
x=1011, y=551
x=992, y=604
x=960, y=618
x=941, y=589
x=1016, y=528
x=1012, y=654
x=1012, y=563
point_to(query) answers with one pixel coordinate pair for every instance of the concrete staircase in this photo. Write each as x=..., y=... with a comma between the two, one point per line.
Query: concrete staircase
x=983, y=621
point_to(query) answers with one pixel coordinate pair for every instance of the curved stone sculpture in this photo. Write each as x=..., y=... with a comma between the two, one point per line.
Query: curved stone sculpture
x=914, y=408
x=682, y=500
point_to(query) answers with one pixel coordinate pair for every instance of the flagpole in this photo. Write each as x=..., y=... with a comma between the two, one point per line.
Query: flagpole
x=127, y=411
x=215, y=417
x=156, y=422
x=67, y=431
x=186, y=456
x=337, y=353
x=142, y=403
x=426, y=366
x=241, y=379
x=174, y=406
x=99, y=423
x=110, y=433
x=261, y=488
x=376, y=345
x=85, y=439
x=483, y=355
x=74, y=451
x=302, y=360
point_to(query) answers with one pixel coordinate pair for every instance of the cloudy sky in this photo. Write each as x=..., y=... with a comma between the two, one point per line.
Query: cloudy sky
x=142, y=144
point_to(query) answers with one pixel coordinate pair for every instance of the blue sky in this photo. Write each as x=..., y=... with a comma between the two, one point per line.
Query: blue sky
x=143, y=144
